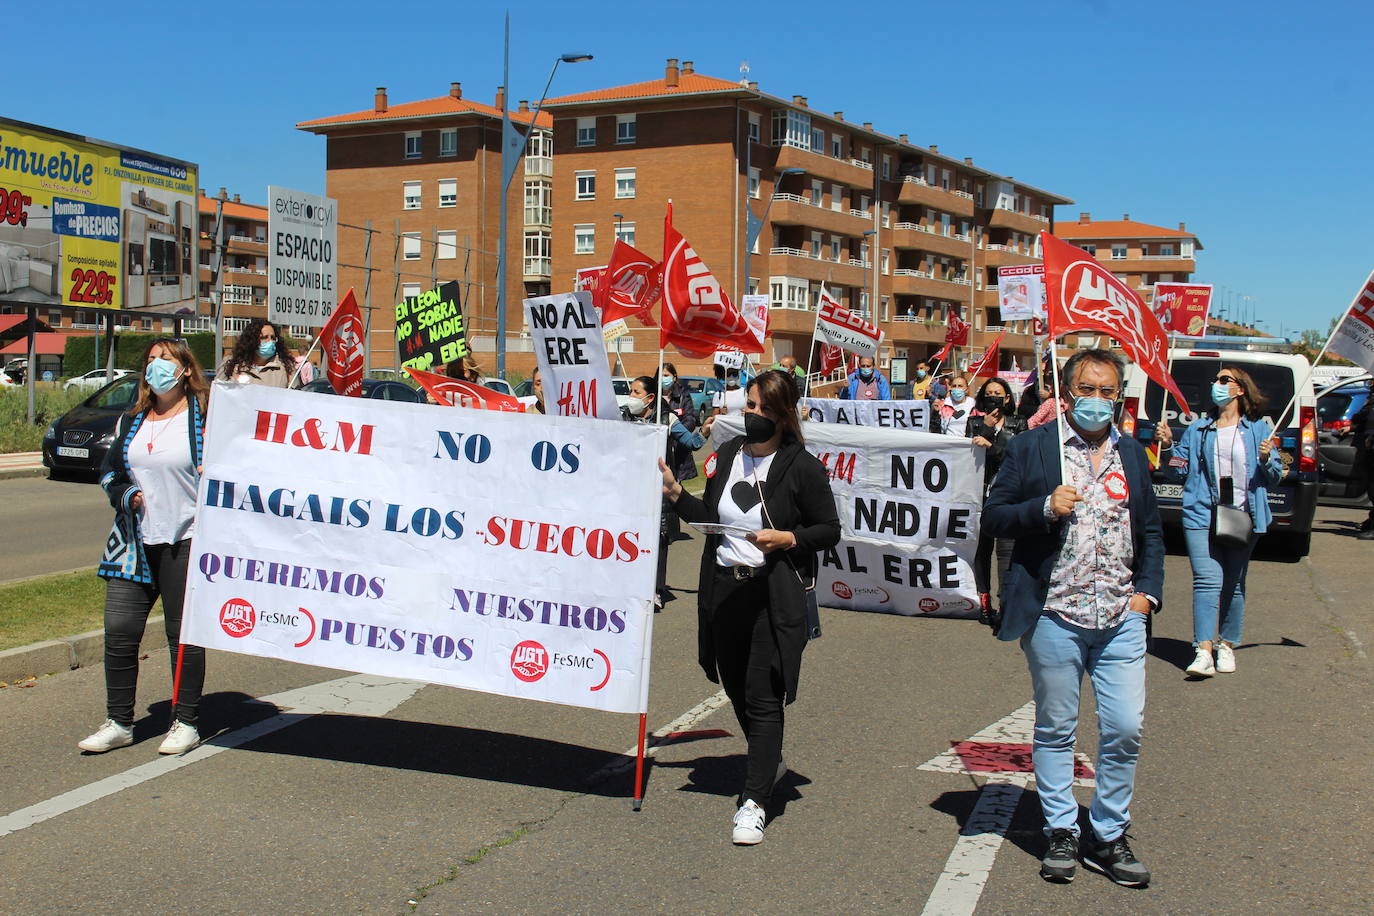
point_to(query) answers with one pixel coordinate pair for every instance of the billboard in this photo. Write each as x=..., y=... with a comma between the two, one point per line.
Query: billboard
x=301, y=266
x=90, y=224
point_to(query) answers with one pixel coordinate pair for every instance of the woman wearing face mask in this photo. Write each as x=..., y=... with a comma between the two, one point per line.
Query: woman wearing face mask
x=751, y=612
x=992, y=428
x=642, y=409
x=537, y=387
x=956, y=409
x=261, y=356
x=1228, y=459
x=150, y=474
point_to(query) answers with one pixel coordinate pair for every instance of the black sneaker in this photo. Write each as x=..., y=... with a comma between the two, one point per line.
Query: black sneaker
x=1115, y=860
x=1366, y=535
x=1061, y=859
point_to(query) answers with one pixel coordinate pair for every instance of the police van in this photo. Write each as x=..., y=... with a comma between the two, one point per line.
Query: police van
x=1278, y=373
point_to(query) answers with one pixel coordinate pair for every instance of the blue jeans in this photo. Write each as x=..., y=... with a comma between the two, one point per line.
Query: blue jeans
x=1218, y=586
x=1058, y=653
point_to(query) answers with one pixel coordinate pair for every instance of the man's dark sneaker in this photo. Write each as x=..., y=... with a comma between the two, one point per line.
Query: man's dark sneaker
x=1061, y=859
x=1366, y=535
x=1115, y=860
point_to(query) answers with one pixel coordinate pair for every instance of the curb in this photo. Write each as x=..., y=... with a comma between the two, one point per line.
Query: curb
x=70, y=652
x=17, y=473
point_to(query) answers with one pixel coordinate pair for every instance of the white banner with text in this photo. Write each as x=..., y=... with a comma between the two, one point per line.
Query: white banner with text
x=914, y=415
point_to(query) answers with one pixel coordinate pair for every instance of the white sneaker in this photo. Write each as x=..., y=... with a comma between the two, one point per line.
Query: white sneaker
x=1226, y=658
x=107, y=737
x=1202, y=665
x=748, y=830
x=180, y=739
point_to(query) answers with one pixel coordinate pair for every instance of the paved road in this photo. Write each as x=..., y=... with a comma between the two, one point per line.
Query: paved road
x=49, y=526
x=1252, y=794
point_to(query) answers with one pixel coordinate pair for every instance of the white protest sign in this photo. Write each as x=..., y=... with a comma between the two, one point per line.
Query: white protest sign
x=479, y=549
x=730, y=359
x=571, y=349
x=883, y=414
x=302, y=257
x=1353, y=338
x=910, y=504
x=754, y=308
x=1021, y=292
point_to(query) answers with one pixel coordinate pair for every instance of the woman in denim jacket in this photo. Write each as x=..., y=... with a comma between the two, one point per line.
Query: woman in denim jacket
x=1233, y=444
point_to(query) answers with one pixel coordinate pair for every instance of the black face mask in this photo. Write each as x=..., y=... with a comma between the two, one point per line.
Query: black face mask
x=988, y=403
x=758, y=428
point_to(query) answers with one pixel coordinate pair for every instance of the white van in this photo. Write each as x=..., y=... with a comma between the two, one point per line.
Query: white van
x=1278, y=373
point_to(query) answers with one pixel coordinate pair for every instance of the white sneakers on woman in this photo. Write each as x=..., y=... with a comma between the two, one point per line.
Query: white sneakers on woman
x=1226, y=658
x=180, y=739
x=748, y=824
x=107, y=737
x=1202, y=665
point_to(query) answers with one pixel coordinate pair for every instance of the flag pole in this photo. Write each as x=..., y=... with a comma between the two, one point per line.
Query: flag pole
x=1058, y=411
x=811, y=349
x=658, y=407
x=300, y=364
x=1278, y=424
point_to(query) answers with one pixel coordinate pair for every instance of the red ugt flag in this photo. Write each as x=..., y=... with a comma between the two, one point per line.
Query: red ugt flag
x=630, y=285
x=1082, y=295
x=957, y=331
x=452, y=392
x=698, y=317
x=832, y=357
x=987, y=366
x=342, y=341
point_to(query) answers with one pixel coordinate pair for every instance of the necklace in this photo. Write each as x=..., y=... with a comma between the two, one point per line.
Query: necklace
x=162, y=425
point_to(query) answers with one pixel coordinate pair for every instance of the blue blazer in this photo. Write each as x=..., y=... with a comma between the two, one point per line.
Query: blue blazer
x=1198, y=448
x=1015, y=509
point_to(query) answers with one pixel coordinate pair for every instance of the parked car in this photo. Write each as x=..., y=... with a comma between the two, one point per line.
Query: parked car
x=380, y=389
x=1278, y=373
x=702, y=388
x=15, y=369
x=96, y=378
x=76, y=442
x=1342, y=484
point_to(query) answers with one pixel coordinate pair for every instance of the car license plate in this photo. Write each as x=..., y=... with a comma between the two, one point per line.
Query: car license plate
x=67, y=451
x=1171, y=490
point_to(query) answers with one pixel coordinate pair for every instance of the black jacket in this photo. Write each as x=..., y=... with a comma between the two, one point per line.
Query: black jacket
x=798, y=498
x=682, y=459
x=1000, y=439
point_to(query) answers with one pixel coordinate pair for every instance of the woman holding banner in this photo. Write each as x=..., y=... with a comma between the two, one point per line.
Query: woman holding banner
x=956, y=409
x=992, y=428
x=1228, y=462
x=262, y=356
x=151, y=473
x=775, y=498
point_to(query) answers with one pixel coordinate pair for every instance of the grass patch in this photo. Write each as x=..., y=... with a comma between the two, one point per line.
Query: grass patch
x=49, y=403
x=51, y=607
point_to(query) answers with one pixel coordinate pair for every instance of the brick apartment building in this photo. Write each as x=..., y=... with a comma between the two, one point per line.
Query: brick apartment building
x=901, y=232
x=1138, y=253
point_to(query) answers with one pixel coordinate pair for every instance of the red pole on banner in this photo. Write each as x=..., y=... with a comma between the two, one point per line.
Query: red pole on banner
x=639, y=763
x=176, y=680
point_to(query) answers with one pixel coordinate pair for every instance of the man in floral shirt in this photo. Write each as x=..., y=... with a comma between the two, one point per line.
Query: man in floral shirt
x=1086, y=572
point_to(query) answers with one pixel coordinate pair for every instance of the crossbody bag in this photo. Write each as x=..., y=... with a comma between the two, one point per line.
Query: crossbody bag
x=813, y=608
x=1231, y=526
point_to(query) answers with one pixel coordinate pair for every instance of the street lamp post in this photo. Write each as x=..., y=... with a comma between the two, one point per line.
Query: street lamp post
x=753, y=227
x=513, y=141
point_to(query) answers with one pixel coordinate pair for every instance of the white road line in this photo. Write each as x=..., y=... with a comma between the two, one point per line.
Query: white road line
x=651, y=743
x=966, y=870
x=360, y=694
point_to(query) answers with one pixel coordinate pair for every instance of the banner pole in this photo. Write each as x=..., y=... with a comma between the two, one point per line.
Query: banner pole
x=658, y=407
x=1278, y=423
x=639, y=764
x=176, y=680
x=301, y=363
x=811, y=348
x=1058, y=411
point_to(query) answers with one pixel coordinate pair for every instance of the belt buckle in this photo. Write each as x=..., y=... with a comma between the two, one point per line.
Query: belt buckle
x=741, y=573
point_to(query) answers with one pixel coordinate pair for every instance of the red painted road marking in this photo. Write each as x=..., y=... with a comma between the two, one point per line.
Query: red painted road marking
x=1001, y=757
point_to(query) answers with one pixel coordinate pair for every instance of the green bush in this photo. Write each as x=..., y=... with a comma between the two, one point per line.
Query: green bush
x=49, y=401
x=79, y=356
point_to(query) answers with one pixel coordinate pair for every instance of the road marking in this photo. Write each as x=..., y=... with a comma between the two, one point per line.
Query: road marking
x=360, y=695
x=660, y=736
x=1001, y=752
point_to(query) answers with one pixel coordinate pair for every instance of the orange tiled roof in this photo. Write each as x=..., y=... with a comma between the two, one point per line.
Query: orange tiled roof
x=1118, y=229
x=687, y=84
x=242, y=211
x=425, y=108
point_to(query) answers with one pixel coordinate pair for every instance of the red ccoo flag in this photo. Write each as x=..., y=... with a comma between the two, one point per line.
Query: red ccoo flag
x=630, y=285
x=698, y=317
x=1082, y=295
x=987, y=366
x=341, y=339
x=452, y=392
x=957, y=331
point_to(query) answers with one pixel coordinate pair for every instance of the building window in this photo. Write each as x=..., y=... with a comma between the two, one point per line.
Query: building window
x=1186, y=248
x=836, y=197
x=624, y=183
x=409, y=289
x=625, y=232
x=586, y=131
x=238, y=295
x=1090, y=249
x=410, y=195
x=537, y=245
x=791, y=128
x=1118, y=252
x=887, y=168
x=887, y=307
x=412, y=144
x=446, y=245
x=755, y=127
x=584, y=238
x=540, y=145
x=788, y=292
x=887, y=259
x=538, y=203
x=625, y=128
x=754, y=183
x=448, y=192
x=586, y=186
x=448, y=142
x=1166, y=251
x=887, y=215
x=817, y=192
x=834, y=249
x=410, y=246
x=836, y=146
x=817, y=140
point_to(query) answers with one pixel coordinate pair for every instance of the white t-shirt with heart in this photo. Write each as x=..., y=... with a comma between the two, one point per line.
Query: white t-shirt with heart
x=747, y=474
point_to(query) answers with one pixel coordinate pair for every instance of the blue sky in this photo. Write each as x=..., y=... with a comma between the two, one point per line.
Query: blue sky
x=1251, y=122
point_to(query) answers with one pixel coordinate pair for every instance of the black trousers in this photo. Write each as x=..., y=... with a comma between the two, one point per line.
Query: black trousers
x=127, y=605
x=668, y=528
x=982, y=562
x=751, y=673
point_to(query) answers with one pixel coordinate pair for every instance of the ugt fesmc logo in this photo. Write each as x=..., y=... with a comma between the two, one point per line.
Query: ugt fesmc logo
x=238, y=618
x=312, y=433
x=529, y=661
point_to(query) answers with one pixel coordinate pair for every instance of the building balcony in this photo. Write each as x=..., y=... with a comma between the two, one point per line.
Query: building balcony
x=914, y=190
x=842, y=171
x=793, y=262
x=537, y=269
x=1150, y=264
x=538, y=166
x=902, y=331
x=916, y=236
x=911, y=282
x=999, y=218
x=791, y=320
x=1005, y=256
x=795, y=210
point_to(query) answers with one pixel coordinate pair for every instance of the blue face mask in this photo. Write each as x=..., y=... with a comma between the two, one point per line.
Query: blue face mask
x=865, y=374
x=957, y=394
x=920, y=374
x=1221, y=394
x=161, y=375
x=1093, y=414
x=267, y=349
x=665, y=382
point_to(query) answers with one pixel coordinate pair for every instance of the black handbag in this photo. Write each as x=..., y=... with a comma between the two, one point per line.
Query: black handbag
x=1231, y=527
x=813, y=606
